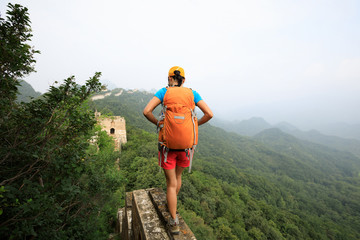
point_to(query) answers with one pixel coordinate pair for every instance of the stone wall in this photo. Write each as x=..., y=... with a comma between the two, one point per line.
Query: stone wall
x=145, y=217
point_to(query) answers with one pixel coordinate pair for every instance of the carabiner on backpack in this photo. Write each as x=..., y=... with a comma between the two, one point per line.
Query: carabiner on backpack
x=190, y=155
x=163, y=150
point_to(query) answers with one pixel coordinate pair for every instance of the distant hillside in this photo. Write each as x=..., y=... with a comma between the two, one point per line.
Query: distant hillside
x=270, y=186
x=126, y=103
x=26, y=92
x=253, y=126
x=343, y=130
x=323, y=158
x=285, y=126
x=342, y=144
x=248, y=127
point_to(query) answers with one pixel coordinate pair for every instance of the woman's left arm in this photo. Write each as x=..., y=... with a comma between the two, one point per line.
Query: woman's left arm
x=153, y=103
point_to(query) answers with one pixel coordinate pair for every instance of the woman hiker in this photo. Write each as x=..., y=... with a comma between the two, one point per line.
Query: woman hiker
x=174, y=161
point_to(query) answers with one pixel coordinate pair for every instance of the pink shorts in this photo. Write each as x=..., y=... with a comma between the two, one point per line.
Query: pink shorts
x=174, y=158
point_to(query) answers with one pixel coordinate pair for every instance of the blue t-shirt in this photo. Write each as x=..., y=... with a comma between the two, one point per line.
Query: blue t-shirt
x=161, y=93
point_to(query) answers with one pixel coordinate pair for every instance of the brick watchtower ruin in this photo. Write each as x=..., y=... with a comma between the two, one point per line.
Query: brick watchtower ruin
x=115, y=126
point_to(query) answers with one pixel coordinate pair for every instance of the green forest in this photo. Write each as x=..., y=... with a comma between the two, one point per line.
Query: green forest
x=270, y=186
x=60, y=179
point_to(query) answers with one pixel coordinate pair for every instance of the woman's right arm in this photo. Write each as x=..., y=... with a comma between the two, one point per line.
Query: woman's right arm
x=153, y=103
x=208, y=114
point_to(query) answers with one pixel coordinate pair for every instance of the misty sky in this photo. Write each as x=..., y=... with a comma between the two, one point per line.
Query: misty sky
x=295, y=61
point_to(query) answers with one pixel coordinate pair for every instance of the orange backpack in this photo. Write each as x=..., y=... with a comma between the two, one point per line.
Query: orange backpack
x=177, y=125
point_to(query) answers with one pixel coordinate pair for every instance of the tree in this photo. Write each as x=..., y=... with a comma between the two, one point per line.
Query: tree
x=51, y=186
x=16, y=55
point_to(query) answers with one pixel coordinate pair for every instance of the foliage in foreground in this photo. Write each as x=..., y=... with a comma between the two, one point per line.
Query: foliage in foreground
x=53, y=183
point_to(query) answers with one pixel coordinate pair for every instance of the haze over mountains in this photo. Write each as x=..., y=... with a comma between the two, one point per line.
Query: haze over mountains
x=341, y=136
x=256, y=125
x=253, y=125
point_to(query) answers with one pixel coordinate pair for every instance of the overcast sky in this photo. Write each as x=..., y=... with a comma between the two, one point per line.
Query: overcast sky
x=295, y=61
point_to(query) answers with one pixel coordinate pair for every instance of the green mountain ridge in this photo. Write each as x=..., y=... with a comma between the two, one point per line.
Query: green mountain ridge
x=270, y=186
x=248, y=127
x=253, y=126
x=320, y=156
x=343, y=144
x=126, y=103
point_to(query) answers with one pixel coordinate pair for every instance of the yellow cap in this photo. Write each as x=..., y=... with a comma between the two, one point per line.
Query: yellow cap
x=173, y=69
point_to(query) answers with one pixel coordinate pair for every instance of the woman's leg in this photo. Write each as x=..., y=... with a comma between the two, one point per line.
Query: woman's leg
x=171, y=188
x=178, y=171
x=173, y=185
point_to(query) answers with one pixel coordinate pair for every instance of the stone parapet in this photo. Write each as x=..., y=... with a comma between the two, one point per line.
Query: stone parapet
x=158, y=198
x=145, y=217
x=127, y=232
x=146, y=224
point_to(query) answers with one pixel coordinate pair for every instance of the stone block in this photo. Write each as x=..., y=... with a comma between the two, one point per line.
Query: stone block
x=145, y=221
